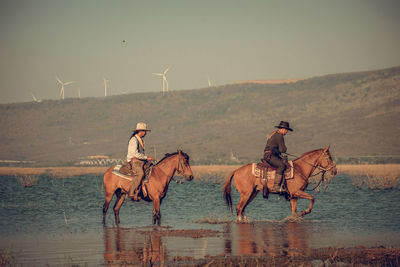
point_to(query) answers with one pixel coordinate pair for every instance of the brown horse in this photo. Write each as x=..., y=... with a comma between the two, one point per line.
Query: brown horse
x=304, y=166
x=157, y=186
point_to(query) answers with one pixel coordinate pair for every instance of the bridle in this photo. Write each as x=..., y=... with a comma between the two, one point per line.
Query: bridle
x=180, y=165
x=317, y=165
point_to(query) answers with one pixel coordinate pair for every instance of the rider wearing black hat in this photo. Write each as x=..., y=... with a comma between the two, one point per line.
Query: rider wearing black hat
x=272, y=152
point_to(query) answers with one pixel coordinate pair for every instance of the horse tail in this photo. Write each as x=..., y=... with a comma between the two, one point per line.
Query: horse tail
x=226, y=189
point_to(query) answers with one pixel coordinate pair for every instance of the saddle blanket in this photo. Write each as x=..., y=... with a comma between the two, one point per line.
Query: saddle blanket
x=261, y=172
x=116, y=172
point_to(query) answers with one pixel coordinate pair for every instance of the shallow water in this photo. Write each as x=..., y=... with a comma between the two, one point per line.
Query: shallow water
x=60, y=221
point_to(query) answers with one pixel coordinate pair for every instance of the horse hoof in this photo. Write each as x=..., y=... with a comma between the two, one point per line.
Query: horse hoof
x=301, y=214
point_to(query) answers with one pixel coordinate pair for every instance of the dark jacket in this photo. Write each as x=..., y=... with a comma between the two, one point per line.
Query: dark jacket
x=275, y=144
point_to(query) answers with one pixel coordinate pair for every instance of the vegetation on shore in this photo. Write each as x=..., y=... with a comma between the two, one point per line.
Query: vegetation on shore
x=377, y=176
x=373, y=176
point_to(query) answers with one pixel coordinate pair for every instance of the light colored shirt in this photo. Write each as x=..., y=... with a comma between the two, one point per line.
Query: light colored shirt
x=135, y=149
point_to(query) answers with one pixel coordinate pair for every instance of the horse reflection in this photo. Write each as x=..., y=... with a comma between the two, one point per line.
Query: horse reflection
x=257, y=239
x=127, y=246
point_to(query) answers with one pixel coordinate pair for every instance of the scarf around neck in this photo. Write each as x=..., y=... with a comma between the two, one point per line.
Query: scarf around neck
x=141, y=141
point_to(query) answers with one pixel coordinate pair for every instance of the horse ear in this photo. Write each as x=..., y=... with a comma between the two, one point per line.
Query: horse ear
x=326, y=148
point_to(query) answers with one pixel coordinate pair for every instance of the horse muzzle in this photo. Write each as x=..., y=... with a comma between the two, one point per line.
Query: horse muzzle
x=188, y=177
x=334, y=171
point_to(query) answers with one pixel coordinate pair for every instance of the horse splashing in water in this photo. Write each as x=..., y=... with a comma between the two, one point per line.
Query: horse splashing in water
x=157, y=186
x=304, y=166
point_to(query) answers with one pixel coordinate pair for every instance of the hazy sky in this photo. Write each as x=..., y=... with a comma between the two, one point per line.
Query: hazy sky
x=227, y=41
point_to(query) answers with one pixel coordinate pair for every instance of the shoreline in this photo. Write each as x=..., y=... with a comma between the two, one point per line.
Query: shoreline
x=375, y=170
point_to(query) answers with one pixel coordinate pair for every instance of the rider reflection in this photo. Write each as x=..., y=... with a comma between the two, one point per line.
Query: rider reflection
x=257, y=239
x=124, y=245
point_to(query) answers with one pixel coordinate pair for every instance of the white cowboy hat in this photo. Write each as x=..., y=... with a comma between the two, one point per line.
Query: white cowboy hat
x=141, y=126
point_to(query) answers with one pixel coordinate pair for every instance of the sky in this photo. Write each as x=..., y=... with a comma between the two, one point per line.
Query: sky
x=126, y=41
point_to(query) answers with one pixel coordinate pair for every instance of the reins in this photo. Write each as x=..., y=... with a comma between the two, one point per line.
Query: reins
x=323, y=170
x=179, y=165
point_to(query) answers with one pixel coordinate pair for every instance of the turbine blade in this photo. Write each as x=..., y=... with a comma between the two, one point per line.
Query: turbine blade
x=167, y=70
x=58, y=79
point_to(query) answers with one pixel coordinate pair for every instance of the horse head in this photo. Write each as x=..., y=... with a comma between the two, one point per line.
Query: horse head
x=326, y=163
x=184, y=166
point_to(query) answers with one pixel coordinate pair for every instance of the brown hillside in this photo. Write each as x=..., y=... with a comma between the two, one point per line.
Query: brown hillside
x=355, y=113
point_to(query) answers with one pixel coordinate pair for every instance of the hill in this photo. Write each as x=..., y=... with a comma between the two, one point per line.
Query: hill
x=355, y=113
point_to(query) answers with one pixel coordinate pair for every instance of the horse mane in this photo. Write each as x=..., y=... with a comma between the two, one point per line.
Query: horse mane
x=167, y=155
x=309, y=152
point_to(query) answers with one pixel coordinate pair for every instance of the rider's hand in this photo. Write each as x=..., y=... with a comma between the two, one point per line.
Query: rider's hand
x=150, y=159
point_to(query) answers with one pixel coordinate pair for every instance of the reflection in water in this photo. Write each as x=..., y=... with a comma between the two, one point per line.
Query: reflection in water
x=122, y=245
x=129, y=245
x=258, y=239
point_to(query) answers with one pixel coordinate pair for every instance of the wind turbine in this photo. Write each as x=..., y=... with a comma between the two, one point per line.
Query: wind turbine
x=62, y=86
x=209, y=82
x=234, y=158
x=35, y=99
x=105, y=86
x=79, y=92
x=164, y=79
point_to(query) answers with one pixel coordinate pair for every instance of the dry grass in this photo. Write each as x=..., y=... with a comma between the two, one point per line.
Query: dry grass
x=63, y=172
x=216, y=173
x=377, y=176
x=28, y=180
x=57, y=172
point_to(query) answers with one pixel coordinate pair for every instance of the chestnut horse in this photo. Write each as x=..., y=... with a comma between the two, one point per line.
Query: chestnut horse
x=157, y=185
x=304, y=166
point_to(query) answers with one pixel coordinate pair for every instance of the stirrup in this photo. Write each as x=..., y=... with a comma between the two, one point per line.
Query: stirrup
x=279, y=190
x=259, y=187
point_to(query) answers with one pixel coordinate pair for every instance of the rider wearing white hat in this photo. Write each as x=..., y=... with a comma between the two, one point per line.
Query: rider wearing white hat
x=136, y=158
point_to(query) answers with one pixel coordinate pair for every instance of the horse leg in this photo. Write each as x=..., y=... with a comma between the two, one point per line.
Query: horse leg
x=105, y=206
x=293, y=205
x=302, y=194
x=118, y=203
x=243, y=201
x=156, y=211
x=253, y=195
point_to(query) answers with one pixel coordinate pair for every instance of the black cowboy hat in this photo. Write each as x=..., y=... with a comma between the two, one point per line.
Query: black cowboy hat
x=284, y=125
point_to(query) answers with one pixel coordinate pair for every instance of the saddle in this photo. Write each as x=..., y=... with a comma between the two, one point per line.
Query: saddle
x=264, y=170
x=124, y=171
x=265, y=174
x=132, y=176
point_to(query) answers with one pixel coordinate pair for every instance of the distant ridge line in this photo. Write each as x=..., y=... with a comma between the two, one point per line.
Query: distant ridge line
x=275, y=81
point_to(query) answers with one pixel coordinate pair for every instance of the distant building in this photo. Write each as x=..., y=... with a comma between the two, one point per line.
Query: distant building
x=98, y=157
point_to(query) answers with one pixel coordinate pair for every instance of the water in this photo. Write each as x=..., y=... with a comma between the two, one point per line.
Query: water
x=60, y=220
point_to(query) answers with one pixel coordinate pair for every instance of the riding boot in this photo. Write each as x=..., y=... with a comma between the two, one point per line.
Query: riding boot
x=277, y=188
x=133, y=193
x=146, y=170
